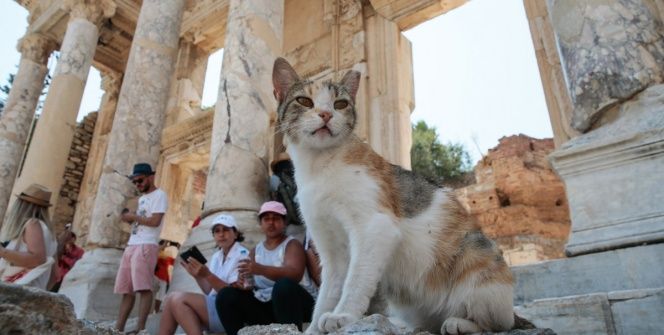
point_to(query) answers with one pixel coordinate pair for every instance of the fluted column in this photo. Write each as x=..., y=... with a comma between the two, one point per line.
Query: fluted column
x=49, y=148
x=20, y=109
x=135, y=137
x=243, y=124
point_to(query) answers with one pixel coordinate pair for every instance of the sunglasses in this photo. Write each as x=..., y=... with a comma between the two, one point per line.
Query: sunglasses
x=138, y=181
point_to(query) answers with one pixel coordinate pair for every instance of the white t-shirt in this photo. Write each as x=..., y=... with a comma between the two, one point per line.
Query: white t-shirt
x=152, y=203
x=227, y=270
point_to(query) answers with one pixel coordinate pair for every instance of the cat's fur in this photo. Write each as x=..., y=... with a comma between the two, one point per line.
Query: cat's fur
x=374, y=222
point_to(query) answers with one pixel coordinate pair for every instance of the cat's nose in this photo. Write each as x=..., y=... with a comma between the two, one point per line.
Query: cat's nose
x=326, y=116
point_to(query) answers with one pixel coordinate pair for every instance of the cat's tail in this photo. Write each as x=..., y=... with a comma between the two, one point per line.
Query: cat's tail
x=521, y=323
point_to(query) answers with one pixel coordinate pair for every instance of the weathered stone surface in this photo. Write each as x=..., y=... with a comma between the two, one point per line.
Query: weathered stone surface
x=27, y=310
x=375, y=324
x=519, y=201
x=638, y=312
x=19, y=109
x=587, y=314
x=613, y=178
x=611, y=50
x=616, y=270
x=63, y=211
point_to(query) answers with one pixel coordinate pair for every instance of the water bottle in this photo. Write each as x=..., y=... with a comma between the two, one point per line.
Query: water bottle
x=247, y=279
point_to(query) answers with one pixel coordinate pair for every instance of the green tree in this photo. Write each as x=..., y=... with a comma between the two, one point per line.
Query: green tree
x=440, y=163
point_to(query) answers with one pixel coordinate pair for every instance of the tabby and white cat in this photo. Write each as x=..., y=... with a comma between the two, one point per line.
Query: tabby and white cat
x=374, y=222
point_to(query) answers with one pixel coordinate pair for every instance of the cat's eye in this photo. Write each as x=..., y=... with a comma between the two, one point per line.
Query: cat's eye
x=340, y=104
x=304, y=101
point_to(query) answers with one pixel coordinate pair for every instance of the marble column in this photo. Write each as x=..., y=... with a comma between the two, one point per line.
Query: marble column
x=49, y=148
x=110, y=83
x=20, y=109
x=243, y=127
x=613, y=56
x=136, y=136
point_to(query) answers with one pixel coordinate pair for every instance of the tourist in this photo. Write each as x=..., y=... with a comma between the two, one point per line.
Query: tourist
x=139, y=259
x=68, y=254
x=282, y=291
x=195, y=312
x=28, y=243
x=162, y=273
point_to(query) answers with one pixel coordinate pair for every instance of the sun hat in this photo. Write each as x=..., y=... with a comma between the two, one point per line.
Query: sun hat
x=224, y=220
x=142, y=169
x=272, y=206
x=36, y=194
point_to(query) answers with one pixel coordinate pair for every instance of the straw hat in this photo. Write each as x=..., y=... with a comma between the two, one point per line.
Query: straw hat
x=36, y=194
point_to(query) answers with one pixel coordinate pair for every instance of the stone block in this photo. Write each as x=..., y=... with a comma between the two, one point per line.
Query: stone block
x=613, y=176
x=616, y=270
x=638, y=312
x=585, y=314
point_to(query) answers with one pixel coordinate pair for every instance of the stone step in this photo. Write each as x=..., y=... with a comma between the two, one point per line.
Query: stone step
x=616, y=270
x=619, y=312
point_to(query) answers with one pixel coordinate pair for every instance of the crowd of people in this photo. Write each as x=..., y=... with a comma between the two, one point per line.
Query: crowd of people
x=274, y=282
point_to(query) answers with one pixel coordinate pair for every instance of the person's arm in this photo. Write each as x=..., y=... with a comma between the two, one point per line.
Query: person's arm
x=313, y=263
x=33, y=236
x=293, y=267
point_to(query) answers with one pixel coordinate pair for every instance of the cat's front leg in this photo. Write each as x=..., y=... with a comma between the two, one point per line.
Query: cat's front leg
x=334, y=269
x=372, y=246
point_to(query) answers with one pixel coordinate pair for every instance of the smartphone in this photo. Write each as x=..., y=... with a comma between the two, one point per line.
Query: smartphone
x=194, y=253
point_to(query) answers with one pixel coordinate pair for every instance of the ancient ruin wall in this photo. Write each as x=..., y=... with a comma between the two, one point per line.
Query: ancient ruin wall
x=71, y=182
x=519, y=201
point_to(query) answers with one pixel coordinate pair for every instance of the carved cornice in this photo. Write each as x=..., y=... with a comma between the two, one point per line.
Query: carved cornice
x=36, y=47
x=91, y=10
x=194, y=130
x=111, y=82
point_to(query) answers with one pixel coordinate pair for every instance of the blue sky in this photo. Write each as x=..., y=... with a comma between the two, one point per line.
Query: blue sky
x=476, y=76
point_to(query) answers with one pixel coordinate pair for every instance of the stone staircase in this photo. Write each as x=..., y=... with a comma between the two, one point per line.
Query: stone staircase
x=613, y=292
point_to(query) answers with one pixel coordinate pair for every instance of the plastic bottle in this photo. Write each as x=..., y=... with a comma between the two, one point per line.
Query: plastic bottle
x=248, y=279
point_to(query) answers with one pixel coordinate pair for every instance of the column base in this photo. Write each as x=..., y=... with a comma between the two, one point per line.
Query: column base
x=89, y=285
x=613, y=176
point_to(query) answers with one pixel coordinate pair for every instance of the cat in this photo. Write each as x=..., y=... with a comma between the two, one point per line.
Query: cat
x=376, y=223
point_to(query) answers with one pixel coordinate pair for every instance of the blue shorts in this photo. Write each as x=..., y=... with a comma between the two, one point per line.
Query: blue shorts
x=215, y=323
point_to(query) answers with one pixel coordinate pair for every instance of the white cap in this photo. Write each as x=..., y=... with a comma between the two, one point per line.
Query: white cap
x=225, y=220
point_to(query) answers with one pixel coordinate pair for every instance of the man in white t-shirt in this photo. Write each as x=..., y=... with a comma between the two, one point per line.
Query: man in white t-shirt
x=136, y=271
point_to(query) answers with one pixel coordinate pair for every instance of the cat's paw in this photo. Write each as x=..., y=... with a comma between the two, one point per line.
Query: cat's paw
x=454, y=326
x=313, y=330
x=330, y=322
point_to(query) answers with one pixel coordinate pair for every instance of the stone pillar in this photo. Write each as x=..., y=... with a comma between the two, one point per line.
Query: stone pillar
x=20, y=109
x=243, y=127
x=136, y=136
x=390, y=84
x=110, y=83
x=49, y=148
x=612, y=54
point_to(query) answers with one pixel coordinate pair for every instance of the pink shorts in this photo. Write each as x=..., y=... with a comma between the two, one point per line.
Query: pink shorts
x=136, y=272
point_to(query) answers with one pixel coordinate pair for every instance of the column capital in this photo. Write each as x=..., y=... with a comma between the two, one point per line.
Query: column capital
x=90, y=10
x=111, y=82
x=36, y=47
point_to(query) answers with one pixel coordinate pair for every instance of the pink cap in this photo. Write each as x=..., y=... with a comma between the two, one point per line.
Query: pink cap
x=274, y=207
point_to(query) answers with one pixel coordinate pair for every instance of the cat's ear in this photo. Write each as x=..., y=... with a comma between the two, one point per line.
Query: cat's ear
x=283, y=77
x=352, y=82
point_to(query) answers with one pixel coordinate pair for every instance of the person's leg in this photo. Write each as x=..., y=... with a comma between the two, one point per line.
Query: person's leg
x=144, y=306
x=291, y=303
x=189, y=310
x=123, y=285
x=125, y=308
x=142, y=274
x=228, y=305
